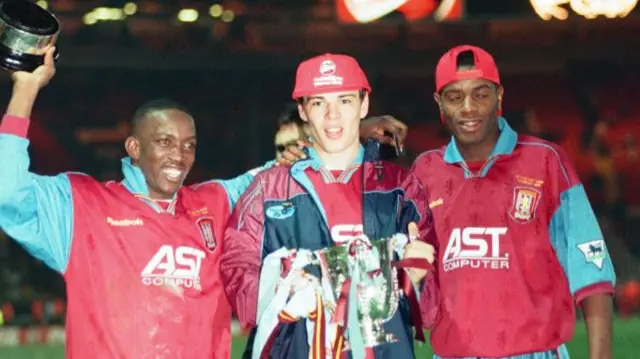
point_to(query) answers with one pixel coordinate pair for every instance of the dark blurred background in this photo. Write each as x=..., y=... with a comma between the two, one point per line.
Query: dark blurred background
x=570, y=75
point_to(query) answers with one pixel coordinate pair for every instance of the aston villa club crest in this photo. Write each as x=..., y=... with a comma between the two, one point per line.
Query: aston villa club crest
x=525, y=202
x=205, y=224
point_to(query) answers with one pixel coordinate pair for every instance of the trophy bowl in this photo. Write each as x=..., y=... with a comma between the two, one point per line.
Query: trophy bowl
x=377, y=294
x=26, y=31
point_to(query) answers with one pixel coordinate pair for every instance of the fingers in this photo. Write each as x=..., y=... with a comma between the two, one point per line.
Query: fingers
x=48, y=57
x=290, y=155
x=295, y=153
x=414, y=232
x=303, y=143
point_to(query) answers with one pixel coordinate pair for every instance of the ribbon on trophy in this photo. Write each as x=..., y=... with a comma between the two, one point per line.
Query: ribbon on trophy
x=346, y=307
x=340, y=312
x=410, y=290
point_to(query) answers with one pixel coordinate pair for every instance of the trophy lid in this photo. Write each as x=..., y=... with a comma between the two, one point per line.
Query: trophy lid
x=28, y=17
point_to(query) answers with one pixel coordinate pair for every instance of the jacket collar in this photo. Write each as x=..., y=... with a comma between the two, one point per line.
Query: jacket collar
x=135, y=183
x=134, y=179
x=367, y=153
x=505, y=145
x=315, y=162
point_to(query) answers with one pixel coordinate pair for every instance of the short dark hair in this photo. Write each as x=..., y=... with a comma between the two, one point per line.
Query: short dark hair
x=147, y=108
x=466, y=59
x=290, y=116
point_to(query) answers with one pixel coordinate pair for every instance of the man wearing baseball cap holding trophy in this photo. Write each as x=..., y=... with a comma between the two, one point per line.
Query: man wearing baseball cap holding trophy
x=313, y=256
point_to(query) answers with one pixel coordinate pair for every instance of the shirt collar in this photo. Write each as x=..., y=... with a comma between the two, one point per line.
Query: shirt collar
x=314, y=161
x=505, y=145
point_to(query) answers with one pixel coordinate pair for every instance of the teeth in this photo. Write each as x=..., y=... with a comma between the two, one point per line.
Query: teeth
x=173, y=174
x=334, y=130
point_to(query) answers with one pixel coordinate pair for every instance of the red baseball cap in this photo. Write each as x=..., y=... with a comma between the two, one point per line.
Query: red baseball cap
x=447, y=68
x=329, y=73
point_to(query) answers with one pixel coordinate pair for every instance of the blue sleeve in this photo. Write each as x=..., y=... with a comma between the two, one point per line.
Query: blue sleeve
x=36, y=211
x=578, y=241
x=235, y=187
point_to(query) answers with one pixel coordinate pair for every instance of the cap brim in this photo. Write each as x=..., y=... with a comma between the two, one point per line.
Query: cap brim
x=327, y=89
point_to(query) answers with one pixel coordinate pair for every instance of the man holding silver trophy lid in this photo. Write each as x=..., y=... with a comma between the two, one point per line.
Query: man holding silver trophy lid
x=314, y=256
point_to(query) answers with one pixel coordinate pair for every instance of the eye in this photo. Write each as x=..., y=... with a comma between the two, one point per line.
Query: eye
x=190, y=146
x=481, y=94
x=315, y=103
x=163, y=142
x=346, y=101
x=454, y=97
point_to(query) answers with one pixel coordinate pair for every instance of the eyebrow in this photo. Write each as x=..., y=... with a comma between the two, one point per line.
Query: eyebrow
x=162, y=134
x=479, y=87
x=324, y=98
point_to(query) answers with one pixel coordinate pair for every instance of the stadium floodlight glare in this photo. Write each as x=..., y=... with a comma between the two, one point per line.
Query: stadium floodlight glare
x=589, y=9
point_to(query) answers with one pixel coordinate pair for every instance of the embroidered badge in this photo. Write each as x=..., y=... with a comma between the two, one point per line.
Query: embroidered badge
x=280, y=211
x=594, y=252
x=205, y=224
x=525, y=202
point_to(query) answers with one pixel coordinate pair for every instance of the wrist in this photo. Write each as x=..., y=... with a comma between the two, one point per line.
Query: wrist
x=22, y=100
x=25, y=89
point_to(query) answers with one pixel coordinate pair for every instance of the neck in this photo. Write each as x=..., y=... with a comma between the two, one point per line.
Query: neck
x=481, y=151
x=338, y=161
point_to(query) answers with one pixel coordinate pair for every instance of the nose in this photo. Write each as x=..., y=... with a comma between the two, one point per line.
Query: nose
x=468, y=105
x=333, y=111
x=176, y=154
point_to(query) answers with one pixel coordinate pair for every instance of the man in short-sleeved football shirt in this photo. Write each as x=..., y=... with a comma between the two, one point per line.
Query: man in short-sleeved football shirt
x=518, y=243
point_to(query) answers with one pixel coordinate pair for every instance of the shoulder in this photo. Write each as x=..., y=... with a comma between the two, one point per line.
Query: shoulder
x=427, y=162
x=428, y=157
x=557, y=163
x=274, y=173
x=79, y=180
x=535, y=145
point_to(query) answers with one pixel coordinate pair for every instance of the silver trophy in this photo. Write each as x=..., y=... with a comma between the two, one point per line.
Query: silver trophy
x=26, y=32
x=377, y=292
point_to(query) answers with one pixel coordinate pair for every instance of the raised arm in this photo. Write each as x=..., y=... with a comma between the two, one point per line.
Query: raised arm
x=35, y=210
x=235, y=187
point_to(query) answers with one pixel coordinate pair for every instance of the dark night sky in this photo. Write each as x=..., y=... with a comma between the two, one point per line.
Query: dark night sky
x=498, y=7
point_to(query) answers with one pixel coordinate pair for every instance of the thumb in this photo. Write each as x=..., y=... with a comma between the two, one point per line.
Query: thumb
x=414, y=233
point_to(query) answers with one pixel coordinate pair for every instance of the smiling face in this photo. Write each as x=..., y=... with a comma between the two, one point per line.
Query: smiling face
x=164, y=148
x=470, y=110
x=334, y=120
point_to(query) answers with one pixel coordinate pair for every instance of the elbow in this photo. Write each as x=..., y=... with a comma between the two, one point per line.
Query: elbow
x=242, y=292
x=10, y=190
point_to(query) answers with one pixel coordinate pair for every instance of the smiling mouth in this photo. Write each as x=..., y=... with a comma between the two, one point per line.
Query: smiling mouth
x=470, y=125
x=173, y=174
x=333, y=132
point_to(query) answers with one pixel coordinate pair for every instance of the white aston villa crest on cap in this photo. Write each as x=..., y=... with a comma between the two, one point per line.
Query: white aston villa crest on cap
x=328, y=78
x=327, y=67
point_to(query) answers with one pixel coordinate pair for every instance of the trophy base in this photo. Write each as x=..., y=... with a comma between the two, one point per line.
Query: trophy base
x=11, y=60
x=373, y=340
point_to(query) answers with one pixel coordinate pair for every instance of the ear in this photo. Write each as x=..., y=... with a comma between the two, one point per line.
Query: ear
x=436, y=98
x=301, y=112
x=500, y=96
x=132, y=146
x=364, y=106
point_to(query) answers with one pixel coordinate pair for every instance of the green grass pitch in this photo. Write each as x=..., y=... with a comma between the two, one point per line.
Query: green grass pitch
x=625, y=344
